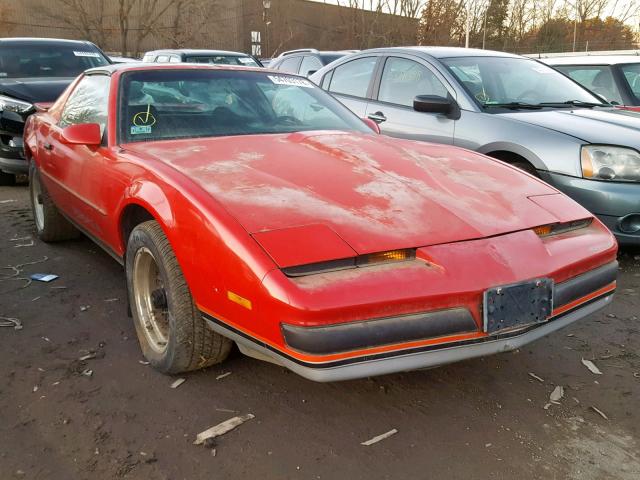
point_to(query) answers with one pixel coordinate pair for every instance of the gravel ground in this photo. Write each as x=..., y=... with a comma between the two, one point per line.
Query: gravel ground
x=479, y=419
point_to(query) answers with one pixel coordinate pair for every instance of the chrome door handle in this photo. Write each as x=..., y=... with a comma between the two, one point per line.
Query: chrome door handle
x=377, y=117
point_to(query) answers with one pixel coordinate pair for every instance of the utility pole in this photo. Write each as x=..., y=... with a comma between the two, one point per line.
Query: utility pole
x=266, y=4
x=484, y=27
x=466, y=28
x=575, y=26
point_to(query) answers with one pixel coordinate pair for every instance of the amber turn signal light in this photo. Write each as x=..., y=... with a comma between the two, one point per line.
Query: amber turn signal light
x=388, y=256
x=557, y=228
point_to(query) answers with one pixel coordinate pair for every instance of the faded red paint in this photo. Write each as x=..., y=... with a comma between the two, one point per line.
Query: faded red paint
x=237, y=208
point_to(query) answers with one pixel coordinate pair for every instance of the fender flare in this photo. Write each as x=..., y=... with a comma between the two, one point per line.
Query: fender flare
x=524, y=152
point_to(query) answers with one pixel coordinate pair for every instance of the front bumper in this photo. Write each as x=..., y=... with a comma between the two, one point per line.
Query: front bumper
x=11, y=149
x=616, y=204
x=425, y=340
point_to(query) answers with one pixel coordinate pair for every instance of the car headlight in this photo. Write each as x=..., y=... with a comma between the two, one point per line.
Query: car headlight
x=13, y=105
x=604, y=162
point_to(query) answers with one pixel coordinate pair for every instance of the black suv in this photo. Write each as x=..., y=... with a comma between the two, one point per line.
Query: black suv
x=34, y=70
x=216, y=57
x=306, y=61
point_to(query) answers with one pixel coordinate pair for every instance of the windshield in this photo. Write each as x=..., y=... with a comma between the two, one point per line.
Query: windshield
x=223, y=60
x=631, y=73
x=23, y=61
x=504, y=80
x=169, y=104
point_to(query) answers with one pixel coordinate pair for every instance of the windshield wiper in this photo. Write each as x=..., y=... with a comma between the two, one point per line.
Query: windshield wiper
x=573, y=103
x=514, y=105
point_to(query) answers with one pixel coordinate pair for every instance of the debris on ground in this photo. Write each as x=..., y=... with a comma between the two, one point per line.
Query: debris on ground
x=109, y=300
x=611, y=315
x=84, y=308
x=178, y=382
x=88, y=356
x=220, y=377
x=44, y=277
x=143, y=362
x=30, y=244
x=17, y=270
x=379, y=438
x=222, y=428
x=87, y=373
x=11, y=200
x=533, y=375
x=557, y=394
x=599, y=412
x=11, y=322
x=591, y=366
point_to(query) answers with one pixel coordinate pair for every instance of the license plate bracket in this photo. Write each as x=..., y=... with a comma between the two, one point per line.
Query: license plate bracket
x=511, y=307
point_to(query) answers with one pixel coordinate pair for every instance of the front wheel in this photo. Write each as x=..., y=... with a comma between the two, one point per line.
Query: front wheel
x=51, y=226
x=172, y=334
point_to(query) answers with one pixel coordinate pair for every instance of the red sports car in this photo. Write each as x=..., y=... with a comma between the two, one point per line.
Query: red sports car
x=249, y=206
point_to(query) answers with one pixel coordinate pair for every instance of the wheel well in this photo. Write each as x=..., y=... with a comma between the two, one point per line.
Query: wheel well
x=132, y=216
x=508, y=157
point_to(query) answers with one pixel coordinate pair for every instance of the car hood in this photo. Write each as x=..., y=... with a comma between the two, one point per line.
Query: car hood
x=374, y=192
x=597, y=125
x=34, y=89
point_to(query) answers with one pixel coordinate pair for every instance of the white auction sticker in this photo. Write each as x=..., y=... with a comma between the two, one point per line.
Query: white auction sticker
x=290, y=81
x=86, y=54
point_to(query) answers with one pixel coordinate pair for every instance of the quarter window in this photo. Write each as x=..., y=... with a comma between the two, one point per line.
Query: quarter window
x=353, y=78
x=309, y=65
x=162, y=59
x=88, y=103
x=402, y=80
x=290, y=65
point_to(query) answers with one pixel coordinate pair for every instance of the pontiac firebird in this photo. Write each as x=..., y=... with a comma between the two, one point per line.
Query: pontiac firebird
x=249, y=206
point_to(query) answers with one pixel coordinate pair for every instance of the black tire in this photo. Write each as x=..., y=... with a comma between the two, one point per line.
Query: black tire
x=51, y=226
x=191, y=344
x=7, y=179
x=526, y=167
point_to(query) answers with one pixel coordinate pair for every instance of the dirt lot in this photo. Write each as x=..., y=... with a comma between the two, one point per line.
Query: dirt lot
x=481, y=419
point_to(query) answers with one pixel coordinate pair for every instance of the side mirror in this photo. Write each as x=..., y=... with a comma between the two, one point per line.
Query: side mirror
x=372, y=125
x=82, y=134
x=437, y=104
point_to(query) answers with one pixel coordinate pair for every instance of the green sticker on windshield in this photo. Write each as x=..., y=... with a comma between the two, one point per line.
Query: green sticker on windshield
x=138, y=129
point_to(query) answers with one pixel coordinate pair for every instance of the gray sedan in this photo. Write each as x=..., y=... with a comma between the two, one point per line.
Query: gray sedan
x=512, y=108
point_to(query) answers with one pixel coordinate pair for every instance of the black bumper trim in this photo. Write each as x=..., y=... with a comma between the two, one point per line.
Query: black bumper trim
x=404, y=351
x=584, y=284
x=381, y=331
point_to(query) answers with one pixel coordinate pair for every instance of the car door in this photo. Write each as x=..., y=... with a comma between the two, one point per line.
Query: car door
x=402, y=79
x=351, y=83
x=76, y=169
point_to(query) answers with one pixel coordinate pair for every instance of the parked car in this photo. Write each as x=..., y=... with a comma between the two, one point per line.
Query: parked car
x=217, y=57
x=615, y=77
x=34, y=70
x=252, y=207
x=512, y=108
x=306, y=61
x=117, y=59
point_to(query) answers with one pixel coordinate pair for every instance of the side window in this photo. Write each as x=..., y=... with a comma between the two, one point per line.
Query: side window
x=290, y=65
x=598, y=79
x=88, y=103
x=174, y=59
x=162, y=58
x=403, y=79
x=310, y=65
x=352, y=78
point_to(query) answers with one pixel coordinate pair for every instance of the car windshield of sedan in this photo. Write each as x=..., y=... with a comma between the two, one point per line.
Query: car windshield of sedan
x=223, y=60
x=171, y=104
x=517, y=82
x=25, y=61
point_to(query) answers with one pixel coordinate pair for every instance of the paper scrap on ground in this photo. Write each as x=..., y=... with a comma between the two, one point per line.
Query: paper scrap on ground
x=557, y=394
x=220, y=377
x=599, y=412
x=44, y=277
x=178, y=382
x=380, y=437
x=533, y=375
x=11, y=322
x=591, y=366
x=222, y=428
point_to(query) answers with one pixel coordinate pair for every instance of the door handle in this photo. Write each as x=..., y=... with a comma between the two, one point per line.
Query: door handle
x=47, y=146
x=377, y=117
